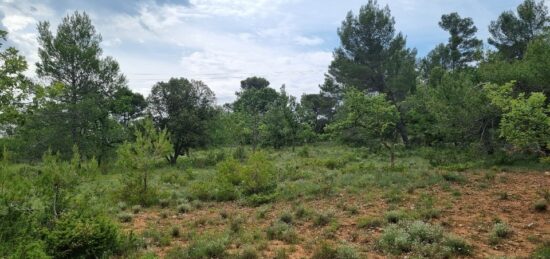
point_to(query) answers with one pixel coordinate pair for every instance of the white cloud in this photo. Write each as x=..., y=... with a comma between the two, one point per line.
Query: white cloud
x=17, y=22
x=308, y=41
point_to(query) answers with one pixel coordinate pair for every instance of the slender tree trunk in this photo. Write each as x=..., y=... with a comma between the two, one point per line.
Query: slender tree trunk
x=402, y=128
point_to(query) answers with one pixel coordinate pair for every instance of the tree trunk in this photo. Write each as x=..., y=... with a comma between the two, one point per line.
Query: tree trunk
x=402, y=129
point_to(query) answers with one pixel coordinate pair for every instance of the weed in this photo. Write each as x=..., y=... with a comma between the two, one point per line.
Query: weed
x=175, y=232
x=395, y=216
x=184, y=208
x=325, y=251
x=282, y=231
x=370, y=222
x=286, y=218
x=301, y=212
x=125, y=217
x=322, y=219
x=136, y=209
x=499, y=232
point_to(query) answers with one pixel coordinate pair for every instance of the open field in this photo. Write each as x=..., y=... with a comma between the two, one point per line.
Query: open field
x=345, y=198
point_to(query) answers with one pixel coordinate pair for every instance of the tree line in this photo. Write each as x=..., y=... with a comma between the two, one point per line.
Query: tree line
x=377, y=93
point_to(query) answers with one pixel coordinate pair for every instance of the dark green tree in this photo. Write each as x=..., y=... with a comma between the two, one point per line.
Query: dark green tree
x=316, y=110
x=74, y=109
x=511, y=32
x=280, y=125
x=185, y=108
x=127, y=105
x=373, y=58
x=463, y=47
x=252, y=103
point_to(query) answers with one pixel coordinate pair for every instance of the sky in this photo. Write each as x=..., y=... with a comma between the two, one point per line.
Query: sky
x=222, y=42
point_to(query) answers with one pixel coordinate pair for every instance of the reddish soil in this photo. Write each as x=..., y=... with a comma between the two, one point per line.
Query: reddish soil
x=508, y=197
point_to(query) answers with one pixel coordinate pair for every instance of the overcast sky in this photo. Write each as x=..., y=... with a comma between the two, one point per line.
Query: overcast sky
x=224, y=41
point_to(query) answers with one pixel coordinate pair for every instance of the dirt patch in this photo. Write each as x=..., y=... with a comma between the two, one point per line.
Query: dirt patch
x=468, y=210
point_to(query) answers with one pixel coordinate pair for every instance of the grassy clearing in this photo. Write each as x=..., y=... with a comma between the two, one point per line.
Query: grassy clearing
x=328, y=202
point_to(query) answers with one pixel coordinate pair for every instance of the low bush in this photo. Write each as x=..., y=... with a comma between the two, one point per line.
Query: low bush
x=322, y=219
x=395, y=216
x=499, y=232
x=82, y=236
x=203, y=247
x=325, y=251
x=541, y=205
x=420, y=239
x=283, y=232
x=370, y=222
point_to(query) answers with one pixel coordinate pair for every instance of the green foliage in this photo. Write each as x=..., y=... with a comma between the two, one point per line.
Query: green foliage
x=75, y=108
x=185, y=109
x=511, y=32
x=463, y=48
x=525, y=121
x=282, y=231
x=421, y=239
x=138, y=158
x=367, y=119
x=325, y=251
x=74, y=235
x=499, y=232
x=542, y=252
x=370, y=222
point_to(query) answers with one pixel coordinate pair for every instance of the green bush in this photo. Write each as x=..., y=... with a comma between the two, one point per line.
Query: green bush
x=395, y=216
x=325, y=251
x=203, y=247
x=542, y=252
x=75, y=235
x=420, y=239
x=541, y=205
x=500, y=231
x=282, y=231
x=370, y=222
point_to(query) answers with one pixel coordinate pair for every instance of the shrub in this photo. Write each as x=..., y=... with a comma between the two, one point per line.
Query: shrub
x=204, y=247
x=248, y=253
x=286, y=218
x=500, y=231
x=326, y=251
x=542, y=252
x=301, y=212
x=236, y=224
x=125, y=217
x=282, y=231
x=136, y=209
x=304, y=152
x=541, y=205
x=395, y=216
x=421, y=239
x=74, y=236
x=184, y=208
x=322, y=219
x=175, y=232
x=240, y=153
x=370, y=222
x=453, y=177
x=157, y=238
x=34, y=249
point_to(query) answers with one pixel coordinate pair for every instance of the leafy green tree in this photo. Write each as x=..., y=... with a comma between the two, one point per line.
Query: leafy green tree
x=15, y=87
x=140, y=157
x=531, y=74
x=511, y=33
x=184, y=108
x=373, y=58
x=74, y=109
x=127, y=106
x=525, y=121
x=253, y=101
x=280, y=125
x=59, y=179
x=368, y=119
x=454, y=111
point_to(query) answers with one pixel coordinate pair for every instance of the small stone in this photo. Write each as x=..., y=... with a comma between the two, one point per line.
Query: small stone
x=547, y=173
x=530, y=225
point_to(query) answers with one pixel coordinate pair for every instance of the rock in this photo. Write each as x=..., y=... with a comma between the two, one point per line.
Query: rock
x=547, y=173
x=530, y=225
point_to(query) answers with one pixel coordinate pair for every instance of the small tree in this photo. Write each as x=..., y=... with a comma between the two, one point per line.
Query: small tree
x=369, y=118
x=139, y=157
x=526, y=119
x=185, y=108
